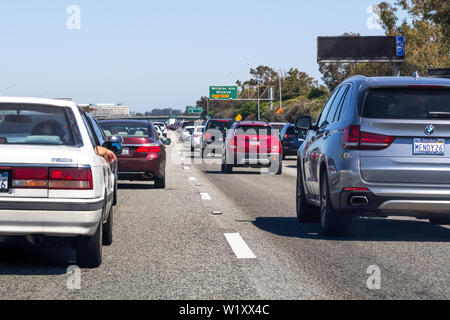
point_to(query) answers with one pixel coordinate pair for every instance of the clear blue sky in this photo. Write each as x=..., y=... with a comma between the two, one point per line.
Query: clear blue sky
x=150, y=54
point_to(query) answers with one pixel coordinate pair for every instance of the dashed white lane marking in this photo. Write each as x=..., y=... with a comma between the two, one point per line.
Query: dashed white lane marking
x=205, y=196
x=186, y=168
x=240, y=248
x=192, y=179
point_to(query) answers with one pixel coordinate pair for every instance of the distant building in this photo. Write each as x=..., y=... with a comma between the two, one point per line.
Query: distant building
x=110, y=110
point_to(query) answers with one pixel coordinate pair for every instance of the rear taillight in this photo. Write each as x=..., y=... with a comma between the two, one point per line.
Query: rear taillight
x=30, y=178
x=149, y=149
x=355, y=139
x=289, y=136
x=276, y=145
x=208, y=135
x=70, y=179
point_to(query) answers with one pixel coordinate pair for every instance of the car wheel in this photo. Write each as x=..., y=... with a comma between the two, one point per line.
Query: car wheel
x=115, y=194
x=440, y=221
x=89, y=249
x=278, y=170
x=228, y=168
x=332, y=222
x=305, y=212
x=108, y=229
x=160, y=183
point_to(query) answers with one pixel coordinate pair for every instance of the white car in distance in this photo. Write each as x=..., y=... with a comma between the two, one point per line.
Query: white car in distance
x=52, y=182
x=187, y=133
x=196, y=137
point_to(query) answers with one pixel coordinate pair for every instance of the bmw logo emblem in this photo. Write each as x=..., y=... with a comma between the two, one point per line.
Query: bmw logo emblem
x=429, y=130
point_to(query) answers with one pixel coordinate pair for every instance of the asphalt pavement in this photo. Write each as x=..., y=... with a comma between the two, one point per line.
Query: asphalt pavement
x=214, y=236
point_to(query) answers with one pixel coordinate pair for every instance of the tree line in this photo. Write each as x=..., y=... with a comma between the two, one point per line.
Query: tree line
x=426, y=28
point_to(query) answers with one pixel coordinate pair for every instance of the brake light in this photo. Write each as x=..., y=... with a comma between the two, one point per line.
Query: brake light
x=288, y=136
x=208, y=135
x=70, y=179
x=30, y=178
x=355, y=139
x=148, y=149
x=276, y=145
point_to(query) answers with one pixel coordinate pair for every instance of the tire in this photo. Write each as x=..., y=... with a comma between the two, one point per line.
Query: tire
x=332, y=222
x=107, y=237
x=115, y=194
x=160, y=183
x=89, y=249
x=440, y=221
x=279, y=169
x=228, y=168
x=192, y=149
x=305, y=212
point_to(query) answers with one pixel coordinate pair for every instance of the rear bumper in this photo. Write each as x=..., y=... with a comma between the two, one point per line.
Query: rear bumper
x=50, y=218
x=139, y=167
x=258, y=160
x=412, y=205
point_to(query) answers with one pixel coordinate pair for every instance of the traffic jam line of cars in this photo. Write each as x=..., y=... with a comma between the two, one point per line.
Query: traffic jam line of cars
x=58, y=176
x=380, y=148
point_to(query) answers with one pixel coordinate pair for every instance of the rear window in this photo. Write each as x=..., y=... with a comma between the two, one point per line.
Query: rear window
x=411, y=103
x=126, y=130
x=221, y=125
x=253, y=130
x=37, y=125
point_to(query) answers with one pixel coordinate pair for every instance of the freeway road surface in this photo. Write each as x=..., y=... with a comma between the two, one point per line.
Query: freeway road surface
x=215, y=236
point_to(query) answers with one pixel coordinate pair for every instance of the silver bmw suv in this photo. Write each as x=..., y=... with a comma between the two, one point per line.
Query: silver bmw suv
x=381, y=147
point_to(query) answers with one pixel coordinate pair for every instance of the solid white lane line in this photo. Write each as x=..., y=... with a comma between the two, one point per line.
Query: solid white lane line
x=240, y=248
x=205, y=196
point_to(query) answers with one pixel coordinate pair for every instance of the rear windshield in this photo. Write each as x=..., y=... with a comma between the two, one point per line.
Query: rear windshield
x=254, y=130
x=221, y=125
x=407, y=103
x=37, y=125
x=126, y=130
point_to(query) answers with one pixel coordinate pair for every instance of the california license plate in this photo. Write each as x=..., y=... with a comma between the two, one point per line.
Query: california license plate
x=125, y=151
x=4, y=181
x=424, y=146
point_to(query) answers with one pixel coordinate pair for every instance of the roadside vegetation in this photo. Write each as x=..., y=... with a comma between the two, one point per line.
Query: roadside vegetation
x=425, y=25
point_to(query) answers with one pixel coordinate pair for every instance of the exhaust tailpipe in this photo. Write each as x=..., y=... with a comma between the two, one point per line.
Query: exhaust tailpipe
x=359, y=201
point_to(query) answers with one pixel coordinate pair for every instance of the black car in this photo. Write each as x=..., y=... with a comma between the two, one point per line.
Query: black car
x=291, y=139
x=214, y=135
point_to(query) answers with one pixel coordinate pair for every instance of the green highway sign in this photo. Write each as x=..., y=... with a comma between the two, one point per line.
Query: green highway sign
x=195, y=110
x=223, y=93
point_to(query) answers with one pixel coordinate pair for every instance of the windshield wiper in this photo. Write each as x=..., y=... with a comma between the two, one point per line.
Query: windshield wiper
x=436, y=115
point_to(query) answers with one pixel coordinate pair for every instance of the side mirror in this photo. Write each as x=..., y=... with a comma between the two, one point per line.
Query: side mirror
x=115, y=147
x=304, y=123
x=166, y=141
x=117, y=139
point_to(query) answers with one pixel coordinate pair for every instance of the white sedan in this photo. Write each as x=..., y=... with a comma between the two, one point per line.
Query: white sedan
x=52, y=182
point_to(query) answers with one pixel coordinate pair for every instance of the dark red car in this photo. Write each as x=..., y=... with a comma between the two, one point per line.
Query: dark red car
x=143, y=154
x=252, y=144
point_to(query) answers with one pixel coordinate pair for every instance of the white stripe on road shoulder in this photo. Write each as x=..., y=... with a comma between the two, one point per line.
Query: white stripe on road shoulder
x=240, y=248
x=205, y=196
